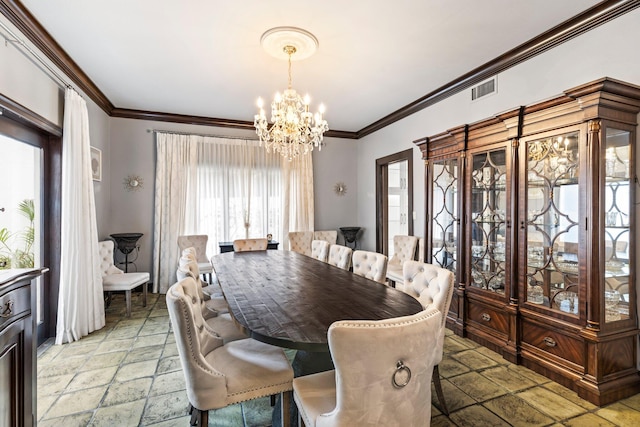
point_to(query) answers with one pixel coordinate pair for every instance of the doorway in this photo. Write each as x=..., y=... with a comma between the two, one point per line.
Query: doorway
x=394, y=199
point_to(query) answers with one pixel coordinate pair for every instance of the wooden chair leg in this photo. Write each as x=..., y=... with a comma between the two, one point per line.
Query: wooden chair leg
x=285, y=408
x=204, y=418
x=128, y=298
x=438, y=386
x=273, y=400
x=144, y=294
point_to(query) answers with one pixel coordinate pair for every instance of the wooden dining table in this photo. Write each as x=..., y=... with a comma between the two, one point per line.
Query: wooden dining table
x=288, y=299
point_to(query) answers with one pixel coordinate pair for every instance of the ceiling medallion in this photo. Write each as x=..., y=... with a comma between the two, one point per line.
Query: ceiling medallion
x=294, y=130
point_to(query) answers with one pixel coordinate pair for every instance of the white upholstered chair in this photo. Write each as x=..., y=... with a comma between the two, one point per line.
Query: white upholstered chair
x=300, y=241
x=246, y=245
x=382, y=374
x=433, y=287
x=340, y=256
x=214, y=304
x=421, y=250
x=330, y=236
x=217, y=374
x=320, y=250
x=199, y=243
x=210, y=290
x=114, y=279
x=371, y=265
x=404, y=249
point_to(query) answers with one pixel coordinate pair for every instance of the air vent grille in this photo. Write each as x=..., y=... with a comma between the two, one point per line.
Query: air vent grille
x=483, y=89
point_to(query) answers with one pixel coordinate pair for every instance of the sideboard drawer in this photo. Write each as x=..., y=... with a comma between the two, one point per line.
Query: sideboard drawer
x=554, y=342
x=14, y=304
x=486, y=316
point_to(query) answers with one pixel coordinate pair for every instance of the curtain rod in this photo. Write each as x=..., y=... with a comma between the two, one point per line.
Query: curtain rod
x=61, y=81
x=200, y=134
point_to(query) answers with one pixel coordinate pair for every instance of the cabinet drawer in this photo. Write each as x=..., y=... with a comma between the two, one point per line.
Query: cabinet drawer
x=554, y=342
x=487, y=316
x=14, y=304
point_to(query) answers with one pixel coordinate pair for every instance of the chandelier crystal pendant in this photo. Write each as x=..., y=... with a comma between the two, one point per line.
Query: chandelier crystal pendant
x=294, y=130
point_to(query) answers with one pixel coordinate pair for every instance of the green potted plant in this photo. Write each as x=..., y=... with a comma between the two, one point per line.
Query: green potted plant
x=20, y=257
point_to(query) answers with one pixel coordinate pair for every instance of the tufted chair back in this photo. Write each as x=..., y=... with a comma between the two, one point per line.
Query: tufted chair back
x=197, y=242
x=433, y=287
x=189, y=268
x=190, y=252
x=404, y=248
x=300, y=241
x=330, y=236
x=245, y=245
x=320, y=250
x=106, y=258
x=195, y=340
x=340, y=256
x=371, y=265
x=371, y=355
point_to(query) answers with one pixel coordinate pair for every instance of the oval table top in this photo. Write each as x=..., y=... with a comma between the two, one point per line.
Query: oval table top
x=288, y=299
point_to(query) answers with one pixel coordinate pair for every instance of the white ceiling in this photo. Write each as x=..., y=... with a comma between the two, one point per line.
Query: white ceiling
x=203, y=57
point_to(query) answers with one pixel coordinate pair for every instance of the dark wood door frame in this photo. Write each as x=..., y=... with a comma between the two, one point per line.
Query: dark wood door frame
x=382, y=193
x=21, y=124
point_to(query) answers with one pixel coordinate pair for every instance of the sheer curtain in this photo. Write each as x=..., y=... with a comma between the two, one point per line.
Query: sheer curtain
x=297, y=200
x=224, y=188
x=80, y=301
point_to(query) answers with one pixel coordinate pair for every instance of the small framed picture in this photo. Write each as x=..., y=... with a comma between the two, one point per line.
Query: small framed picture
x=96, y=164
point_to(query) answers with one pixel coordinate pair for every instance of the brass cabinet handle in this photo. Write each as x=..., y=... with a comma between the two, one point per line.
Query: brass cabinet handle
x=550, y=342
x=486, y=317
x=8, y=311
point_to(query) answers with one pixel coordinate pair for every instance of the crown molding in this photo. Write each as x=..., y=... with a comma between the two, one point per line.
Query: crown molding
x=599, y=14
x=25, y=115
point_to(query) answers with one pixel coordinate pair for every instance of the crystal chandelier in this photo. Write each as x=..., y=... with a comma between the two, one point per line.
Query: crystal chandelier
x=294, y=130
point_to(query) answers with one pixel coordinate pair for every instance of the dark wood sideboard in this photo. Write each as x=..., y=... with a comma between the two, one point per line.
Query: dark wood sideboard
x=228, y=246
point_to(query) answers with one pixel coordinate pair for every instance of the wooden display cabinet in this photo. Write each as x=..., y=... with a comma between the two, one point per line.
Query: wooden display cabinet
x=545, y=244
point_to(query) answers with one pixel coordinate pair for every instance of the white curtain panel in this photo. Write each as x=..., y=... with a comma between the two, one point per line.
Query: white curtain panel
x=175, y=160
x=298, y=208
x=80, y=300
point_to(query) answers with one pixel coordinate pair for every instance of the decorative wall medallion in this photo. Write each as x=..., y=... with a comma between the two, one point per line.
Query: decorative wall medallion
x=340, y=188
x=133, y=183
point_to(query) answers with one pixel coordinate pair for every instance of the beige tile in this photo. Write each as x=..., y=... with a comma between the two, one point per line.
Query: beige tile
x=165, y=406
x=115, y=345
x=441, y=421
x=44, y=404
x=550, y=403
x=476, y=416
x=48, y=386
x=136, y=370
x=78, y=401
x=150, y=340
x=104, y=360
x=184, y=421
x=128, y=391
x=50, y=354
x=474, y=360
x=456, y=398
x=632, y=402
x=620, y=414
x=517, y=411
x=170, y=349
x=526, y=372
x=590, y=420
x=152, y=329
x=92, y=378
x=75, y=420
x=450, y=368
x=159, y=312
x=123, y=415
x=169, y=364
x=492, y=355
x=570, y=395
x=78, y=348
x=129, y=332
x=167, y=383
x=477, y=386
x=507, y=378
x=63, y=366
x=144, y=353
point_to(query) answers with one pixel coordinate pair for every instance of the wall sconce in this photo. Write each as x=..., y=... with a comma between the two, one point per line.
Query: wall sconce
x=133, y=183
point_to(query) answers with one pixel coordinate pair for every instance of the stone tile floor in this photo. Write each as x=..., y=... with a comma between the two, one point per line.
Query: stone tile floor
x=129, y=374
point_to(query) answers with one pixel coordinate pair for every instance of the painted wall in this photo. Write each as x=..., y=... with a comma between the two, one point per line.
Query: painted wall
x=132, y=150
x=608, y=50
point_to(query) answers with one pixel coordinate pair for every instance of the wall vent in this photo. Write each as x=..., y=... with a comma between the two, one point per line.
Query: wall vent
x=484, y=89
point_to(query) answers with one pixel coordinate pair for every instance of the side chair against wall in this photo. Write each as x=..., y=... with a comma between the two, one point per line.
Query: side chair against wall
x=199, y=243
x=320, y=250
x=216, y=374
x=371, y=265
x=379, y=380
x=404, y=249
x=247, y=245
x=114, y=279
x=340, y=256
x=300, y=241
x=433, y=287
x=330, y=236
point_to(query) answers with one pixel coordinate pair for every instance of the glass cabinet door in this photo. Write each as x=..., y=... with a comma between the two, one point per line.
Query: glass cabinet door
x=552, y=209
x=488, y=221
x=617, y=221
x=445, y=218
